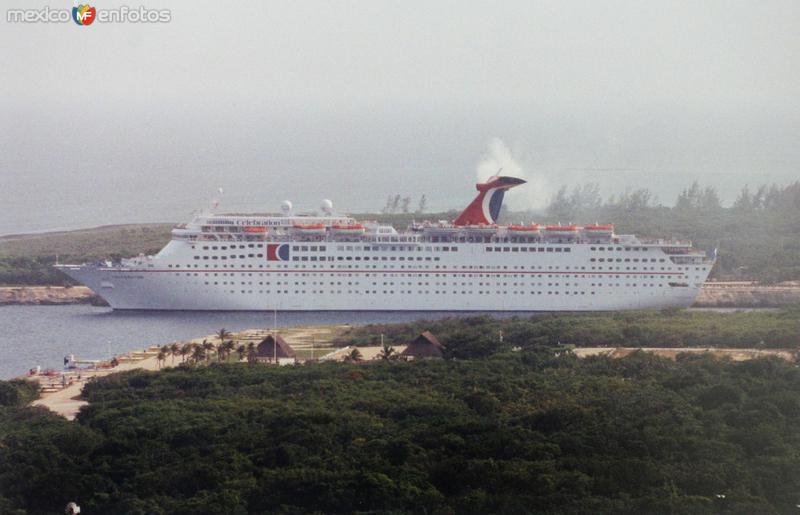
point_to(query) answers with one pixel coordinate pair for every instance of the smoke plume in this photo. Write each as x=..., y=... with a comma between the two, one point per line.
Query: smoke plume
x=530, y=196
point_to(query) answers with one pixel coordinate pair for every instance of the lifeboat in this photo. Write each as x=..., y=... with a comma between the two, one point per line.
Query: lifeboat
x=309, y=229
x=561, y=229
x=524, y=229
x=255, y=230
x=598, y=230
x=347, y=229
x=607, y=227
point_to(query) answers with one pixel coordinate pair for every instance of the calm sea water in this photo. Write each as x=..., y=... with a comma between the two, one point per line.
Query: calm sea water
x=43, y=335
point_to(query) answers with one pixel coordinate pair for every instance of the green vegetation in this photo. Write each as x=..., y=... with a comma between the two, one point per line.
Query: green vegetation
x=480, y=336
x=758, y=237
x=17, y=393
x=28, y=259
x=519, y=432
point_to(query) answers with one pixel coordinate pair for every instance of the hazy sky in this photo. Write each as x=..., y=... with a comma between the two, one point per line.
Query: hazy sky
x=359, y=100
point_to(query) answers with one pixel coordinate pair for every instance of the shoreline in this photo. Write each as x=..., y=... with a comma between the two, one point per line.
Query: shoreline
x=712, y=295
x=60, y=390
x=48, y=296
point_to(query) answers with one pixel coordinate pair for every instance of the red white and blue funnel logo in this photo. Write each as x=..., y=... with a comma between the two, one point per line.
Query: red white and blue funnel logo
x=485, y=209
x=277, y=252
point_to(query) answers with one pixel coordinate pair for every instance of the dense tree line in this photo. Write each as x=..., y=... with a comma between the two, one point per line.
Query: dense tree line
x=758, y=236
x=480, y=336
x=536, y=430
x=30, y=271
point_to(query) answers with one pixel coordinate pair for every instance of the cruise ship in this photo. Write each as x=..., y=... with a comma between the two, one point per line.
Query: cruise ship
x=329, y=261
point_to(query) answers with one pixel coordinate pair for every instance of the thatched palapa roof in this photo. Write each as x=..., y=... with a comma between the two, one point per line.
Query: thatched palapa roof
x=267, y=348
x=423, y=346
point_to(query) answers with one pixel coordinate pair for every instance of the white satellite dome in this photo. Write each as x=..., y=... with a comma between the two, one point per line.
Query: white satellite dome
x=286, y=207
x=327, y=206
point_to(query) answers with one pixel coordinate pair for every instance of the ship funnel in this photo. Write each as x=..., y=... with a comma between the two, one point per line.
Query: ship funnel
x=486, y=207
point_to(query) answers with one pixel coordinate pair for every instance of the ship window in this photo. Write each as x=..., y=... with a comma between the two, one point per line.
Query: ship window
x=549, y=249
x=322, y=248
x=558, y=249
x=295, y=247
x=488, y=249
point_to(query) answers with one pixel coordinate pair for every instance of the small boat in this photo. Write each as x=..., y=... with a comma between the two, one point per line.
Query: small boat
x=309, y=229
x=561, y=229
x=605, y=228
x=524, y=229
x=347, y=229
x=255, y=229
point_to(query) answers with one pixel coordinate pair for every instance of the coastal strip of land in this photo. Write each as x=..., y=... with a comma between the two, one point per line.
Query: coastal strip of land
x=740, y=294
x=60, y=392
x=48, y=296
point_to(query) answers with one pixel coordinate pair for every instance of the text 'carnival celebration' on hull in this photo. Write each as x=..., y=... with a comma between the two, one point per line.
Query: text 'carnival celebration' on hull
x=332, y=262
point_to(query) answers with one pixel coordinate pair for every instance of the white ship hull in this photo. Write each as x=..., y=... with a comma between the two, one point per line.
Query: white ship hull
x=422, y=277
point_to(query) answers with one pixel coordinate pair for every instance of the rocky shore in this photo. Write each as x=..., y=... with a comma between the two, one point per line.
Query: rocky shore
x=48, y=296
x=748, y=295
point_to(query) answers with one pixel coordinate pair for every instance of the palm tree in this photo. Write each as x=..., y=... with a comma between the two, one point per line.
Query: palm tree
x=174, y=350
x=241, y=351
x=251, y=352
x=223, y=334
x=207, y=348
x=186, y=350
x=354, y=356
x=198, y=353
x=227, y=348
x=162, y=356
x=387, y=352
